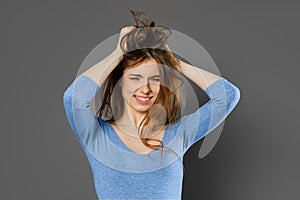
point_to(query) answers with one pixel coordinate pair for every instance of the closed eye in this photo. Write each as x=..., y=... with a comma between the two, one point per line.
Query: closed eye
x=155, y=79
x=134, y=78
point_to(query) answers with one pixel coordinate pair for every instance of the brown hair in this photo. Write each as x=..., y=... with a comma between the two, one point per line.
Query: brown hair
x=144, y=42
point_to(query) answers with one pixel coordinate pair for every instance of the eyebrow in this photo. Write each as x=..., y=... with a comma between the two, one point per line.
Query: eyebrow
x=139, y=75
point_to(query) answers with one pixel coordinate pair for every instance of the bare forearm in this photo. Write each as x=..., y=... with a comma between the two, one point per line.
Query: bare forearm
x=100, y=71
x=199, y=76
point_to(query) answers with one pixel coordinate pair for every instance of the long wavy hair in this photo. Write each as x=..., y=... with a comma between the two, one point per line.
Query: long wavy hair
x=144, y=42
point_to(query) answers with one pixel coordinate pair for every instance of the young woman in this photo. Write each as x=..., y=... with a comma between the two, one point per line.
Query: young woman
x=138, y=137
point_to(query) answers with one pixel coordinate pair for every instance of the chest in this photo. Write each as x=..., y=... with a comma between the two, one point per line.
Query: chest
x=134, y=143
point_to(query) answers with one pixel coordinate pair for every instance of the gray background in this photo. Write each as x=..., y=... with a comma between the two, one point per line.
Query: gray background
x=255, y=44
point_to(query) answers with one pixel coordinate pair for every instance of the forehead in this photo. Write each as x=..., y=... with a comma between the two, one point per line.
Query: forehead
x=147, y=67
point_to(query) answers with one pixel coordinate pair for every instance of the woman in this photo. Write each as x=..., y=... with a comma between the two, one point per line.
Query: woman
x=140, y=114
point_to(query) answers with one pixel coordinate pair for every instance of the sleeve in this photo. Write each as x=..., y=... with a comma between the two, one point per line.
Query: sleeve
x=76, y=100
x=224, y=96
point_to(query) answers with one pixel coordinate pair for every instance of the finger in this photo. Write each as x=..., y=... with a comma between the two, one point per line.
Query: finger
x=129, y=28
x=126, y=29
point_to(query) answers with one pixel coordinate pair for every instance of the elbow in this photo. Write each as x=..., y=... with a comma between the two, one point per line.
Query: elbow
x=236, y=95
x=67, y=99
x=73, y=100
x=233, y=97
x=67, y=96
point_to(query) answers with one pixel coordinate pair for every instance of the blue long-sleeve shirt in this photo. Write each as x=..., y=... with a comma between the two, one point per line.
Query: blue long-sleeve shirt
x=119, y=172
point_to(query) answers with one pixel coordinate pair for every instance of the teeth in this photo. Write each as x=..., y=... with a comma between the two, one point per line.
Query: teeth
x=143, y=99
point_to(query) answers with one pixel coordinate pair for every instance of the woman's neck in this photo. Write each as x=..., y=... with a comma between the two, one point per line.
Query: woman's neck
x=129, y=122
x=131, y=117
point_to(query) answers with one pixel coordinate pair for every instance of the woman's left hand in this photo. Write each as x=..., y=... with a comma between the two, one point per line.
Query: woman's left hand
x=123, y=32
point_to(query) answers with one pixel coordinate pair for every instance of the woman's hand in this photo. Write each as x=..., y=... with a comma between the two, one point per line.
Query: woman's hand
x=123, y=32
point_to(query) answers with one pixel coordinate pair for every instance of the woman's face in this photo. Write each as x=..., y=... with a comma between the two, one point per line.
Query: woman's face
x=140, y=86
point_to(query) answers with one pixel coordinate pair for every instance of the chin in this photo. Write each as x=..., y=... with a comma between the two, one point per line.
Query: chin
x=142, y=109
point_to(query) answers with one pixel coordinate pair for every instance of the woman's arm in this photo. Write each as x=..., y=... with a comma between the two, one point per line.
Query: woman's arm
x=199, y=76
x=223, y=95
x=100, y=71
x=76, y=100
x=80, y=93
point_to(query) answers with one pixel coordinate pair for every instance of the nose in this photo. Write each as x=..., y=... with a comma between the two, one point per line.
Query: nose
x=145, y=88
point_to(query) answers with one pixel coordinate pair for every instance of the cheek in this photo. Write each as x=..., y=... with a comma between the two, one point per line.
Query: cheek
x=128, y=91
x=131, y=88
x=156, y=89
x=128, y=87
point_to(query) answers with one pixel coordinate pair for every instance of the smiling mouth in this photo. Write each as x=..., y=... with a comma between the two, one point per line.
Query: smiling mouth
x=142, y=100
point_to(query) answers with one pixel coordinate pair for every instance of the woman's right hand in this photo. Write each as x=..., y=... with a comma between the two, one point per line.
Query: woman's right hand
x=123, y=32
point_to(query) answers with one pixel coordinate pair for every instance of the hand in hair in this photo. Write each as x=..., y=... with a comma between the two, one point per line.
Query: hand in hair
x=123, y=32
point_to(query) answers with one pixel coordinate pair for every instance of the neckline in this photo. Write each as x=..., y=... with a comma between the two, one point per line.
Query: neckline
x=126, y=147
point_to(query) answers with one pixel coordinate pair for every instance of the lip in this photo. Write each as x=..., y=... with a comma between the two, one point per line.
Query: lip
x=143, y=102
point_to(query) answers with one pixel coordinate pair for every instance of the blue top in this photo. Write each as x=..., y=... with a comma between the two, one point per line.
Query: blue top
x=119, y=172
